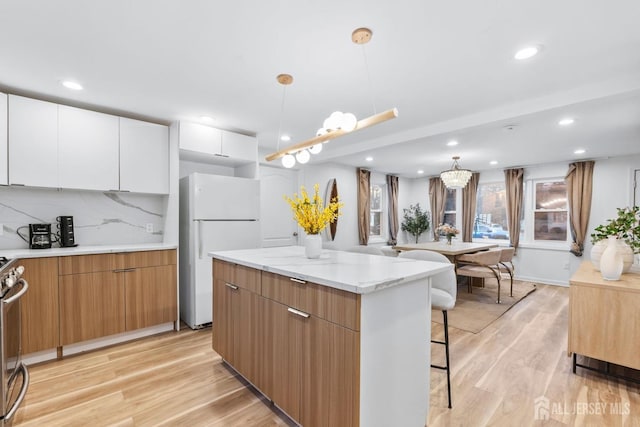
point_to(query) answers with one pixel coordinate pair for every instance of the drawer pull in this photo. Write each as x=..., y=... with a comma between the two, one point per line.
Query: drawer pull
x=293, y=279
x=298, y=312
x=229, y=285
x=124, y=270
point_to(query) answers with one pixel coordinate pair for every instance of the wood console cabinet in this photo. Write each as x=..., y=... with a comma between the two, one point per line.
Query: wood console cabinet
x=604, y=319
x=107, y=294
x=297, y=342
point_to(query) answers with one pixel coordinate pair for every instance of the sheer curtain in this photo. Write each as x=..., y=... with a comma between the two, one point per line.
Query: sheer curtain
x=469, y=198
x=437, y=197
x=513, y=180
x=579, y=181
x=364, y=210
x=392, y=185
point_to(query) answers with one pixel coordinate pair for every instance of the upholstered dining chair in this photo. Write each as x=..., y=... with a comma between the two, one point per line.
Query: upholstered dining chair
x=371, y=250
x=506, y=264
x=482, y=265
x=443, y=297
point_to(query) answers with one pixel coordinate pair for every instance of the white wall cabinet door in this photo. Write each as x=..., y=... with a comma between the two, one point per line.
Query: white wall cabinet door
x=87, y=149
x=33, y=142
x=4, y=169
x=144, y=157
x=200, y=138
x=238, y=146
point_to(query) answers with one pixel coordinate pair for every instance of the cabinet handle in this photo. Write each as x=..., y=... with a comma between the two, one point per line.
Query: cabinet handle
x=124, y=270
x=293, y=279
x=298, y=312
x=221, y=155
x=229, y=285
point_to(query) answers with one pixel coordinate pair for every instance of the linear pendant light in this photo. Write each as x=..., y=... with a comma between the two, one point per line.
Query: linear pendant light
x=359, y=36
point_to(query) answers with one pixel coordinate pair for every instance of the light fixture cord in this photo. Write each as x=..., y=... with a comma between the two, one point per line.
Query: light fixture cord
x=366, y=66
x=284, y=92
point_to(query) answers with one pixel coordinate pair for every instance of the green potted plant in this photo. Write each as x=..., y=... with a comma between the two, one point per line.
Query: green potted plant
x=416, y=221
x=626, y=228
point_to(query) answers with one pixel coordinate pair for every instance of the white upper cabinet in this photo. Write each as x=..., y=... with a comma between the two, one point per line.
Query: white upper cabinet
x=87, y=149
x=200, y=139
x=33, y=142
x=144, y=157
x=238, y=146
x=4, y=169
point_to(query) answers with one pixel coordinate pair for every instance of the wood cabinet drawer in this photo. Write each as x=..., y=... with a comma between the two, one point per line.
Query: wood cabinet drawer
x=148, y=259
x=335, y=305
x=78, y=264
x=238, y=275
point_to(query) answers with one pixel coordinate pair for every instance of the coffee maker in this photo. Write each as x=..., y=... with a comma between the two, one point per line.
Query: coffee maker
x=39, y=236
x=66, y=236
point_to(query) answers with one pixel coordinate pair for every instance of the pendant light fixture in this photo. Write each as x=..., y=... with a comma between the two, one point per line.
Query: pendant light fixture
x=334, y=126
x=455, y=177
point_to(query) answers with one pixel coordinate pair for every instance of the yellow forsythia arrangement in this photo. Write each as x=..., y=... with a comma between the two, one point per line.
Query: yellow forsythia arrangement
x=310, y=213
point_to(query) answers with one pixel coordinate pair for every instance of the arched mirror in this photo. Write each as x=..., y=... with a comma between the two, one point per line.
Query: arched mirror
x=331, y=194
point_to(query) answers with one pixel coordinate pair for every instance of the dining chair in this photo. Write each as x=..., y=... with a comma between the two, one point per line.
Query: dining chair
x=506, y=264
x=443, y=297
x=371, y=250
x=482, y=265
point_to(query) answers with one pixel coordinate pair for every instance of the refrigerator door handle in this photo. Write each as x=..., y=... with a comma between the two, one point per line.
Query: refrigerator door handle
x=199, y=233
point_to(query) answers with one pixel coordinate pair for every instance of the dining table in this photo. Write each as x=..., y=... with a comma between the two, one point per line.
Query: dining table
x=451, y=251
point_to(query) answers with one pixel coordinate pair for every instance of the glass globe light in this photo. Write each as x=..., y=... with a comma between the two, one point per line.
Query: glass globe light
x=334, y=121
x=303, y=156
x=315, y=149
x=349, y=122
x=321, y=131
x=288, y=161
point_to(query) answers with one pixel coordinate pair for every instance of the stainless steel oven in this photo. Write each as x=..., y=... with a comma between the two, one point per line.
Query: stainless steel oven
x=14, y=375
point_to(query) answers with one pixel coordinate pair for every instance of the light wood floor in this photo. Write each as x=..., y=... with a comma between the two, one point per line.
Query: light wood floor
x=175, y=379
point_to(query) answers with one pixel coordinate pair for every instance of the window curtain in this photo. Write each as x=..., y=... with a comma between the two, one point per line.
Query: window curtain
x=437, y=197
x=469, y=198
x=392, y=186
x=579, y=181
x=364, y=210
x=513, y=180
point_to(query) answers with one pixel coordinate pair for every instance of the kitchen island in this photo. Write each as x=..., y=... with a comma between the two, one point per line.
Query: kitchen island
x=340, y=340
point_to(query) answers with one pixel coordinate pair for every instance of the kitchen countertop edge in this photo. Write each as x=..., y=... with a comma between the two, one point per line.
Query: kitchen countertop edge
x=85, y=250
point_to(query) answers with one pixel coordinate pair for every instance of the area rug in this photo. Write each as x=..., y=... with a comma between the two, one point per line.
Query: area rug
x=475, y=311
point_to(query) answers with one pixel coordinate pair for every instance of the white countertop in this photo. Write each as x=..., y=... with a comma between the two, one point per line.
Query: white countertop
x=84, y=250
x=349, y=271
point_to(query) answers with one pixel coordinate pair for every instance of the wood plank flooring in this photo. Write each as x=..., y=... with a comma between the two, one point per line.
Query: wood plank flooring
x=175, y=379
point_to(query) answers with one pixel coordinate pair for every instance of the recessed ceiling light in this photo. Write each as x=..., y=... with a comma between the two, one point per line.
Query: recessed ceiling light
x=369, y=159
x=493, y=162
x=285, y=138
x=71, y=85
x=580, y=151
x=452, y=143
x=420, y=171
x=566, y=122
x=527, y=52
x=207, y=119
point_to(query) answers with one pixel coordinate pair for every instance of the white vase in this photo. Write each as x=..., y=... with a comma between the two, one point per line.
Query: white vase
x=622, y=247
x=611, y=260
x=313, y=246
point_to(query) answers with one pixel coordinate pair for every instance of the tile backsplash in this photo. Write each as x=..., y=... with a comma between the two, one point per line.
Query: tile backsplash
x=99, y=218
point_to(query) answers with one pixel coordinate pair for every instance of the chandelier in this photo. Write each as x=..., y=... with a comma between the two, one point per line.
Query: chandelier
x=455, y=177
x=334, y=126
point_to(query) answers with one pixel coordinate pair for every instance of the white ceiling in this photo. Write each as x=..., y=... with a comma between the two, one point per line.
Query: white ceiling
x=446, y=65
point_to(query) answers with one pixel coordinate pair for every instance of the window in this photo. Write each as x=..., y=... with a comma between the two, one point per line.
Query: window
x=551, y=211
x=376, y=203
x=491, y=212
x=450, y=208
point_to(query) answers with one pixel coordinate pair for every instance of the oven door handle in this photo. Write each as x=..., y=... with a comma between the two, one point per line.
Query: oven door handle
x=25, y=286
x=23, y=392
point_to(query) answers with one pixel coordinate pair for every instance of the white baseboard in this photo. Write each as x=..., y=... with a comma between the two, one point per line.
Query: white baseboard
x=543, y=281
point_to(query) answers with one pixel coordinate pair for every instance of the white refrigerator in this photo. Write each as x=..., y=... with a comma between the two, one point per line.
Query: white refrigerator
x=216, y=213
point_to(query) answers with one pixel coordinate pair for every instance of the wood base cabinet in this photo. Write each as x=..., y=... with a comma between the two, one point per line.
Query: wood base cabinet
x=39, y=306
x=306, y=364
